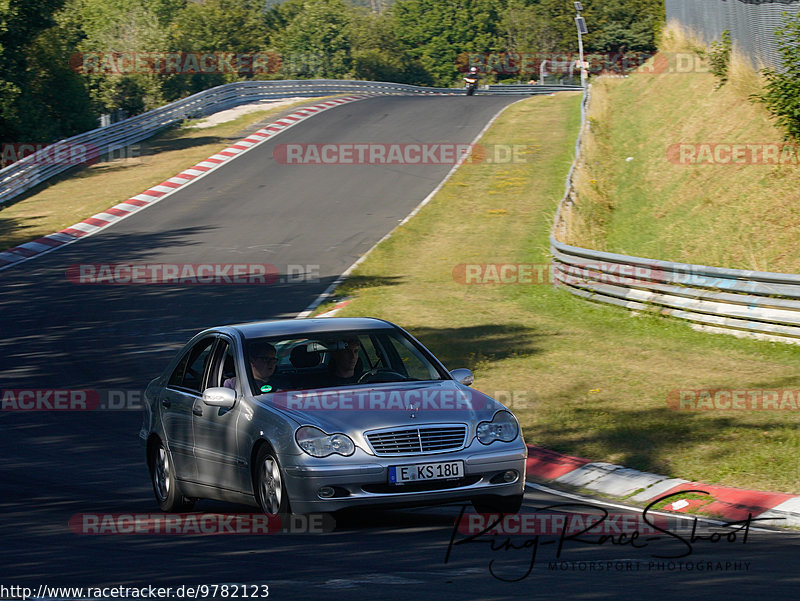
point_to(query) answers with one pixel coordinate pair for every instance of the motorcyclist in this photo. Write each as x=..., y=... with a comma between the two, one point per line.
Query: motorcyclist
x=471, y=79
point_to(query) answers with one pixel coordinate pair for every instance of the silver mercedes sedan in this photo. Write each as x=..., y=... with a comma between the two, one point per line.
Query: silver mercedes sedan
x=319, y=415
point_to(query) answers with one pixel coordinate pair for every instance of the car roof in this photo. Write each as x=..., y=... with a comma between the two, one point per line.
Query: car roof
x=305, y=327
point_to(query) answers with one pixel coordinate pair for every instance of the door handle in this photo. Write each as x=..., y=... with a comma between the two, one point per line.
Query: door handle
x=165, y=402
x=197, y=410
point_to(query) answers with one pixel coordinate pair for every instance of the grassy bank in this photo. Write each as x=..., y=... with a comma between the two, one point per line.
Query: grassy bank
x=584, y=379
x=660, y=178
x=75, y=195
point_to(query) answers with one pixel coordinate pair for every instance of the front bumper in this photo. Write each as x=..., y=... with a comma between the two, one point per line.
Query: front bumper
x=363, y=480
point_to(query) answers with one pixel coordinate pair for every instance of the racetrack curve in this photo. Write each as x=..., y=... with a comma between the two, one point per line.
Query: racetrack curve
x=251, y=210
x=57, y=334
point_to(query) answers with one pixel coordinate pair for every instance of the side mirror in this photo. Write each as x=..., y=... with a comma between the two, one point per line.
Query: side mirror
x=463, y=376
x=219, y=397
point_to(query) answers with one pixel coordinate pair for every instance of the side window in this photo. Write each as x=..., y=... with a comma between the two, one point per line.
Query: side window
x=223, y=372
x=369, y=354
x=176, y=379
x=189, y=372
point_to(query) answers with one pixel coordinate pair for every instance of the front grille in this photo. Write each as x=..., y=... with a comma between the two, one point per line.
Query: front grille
x=420, y=486
x=417, y=440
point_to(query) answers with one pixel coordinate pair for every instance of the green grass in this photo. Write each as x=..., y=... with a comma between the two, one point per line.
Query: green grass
x=584, y=379
x=743, y=216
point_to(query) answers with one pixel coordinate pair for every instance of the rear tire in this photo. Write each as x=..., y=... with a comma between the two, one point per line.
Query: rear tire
x=165, y=485
x=268, y=484
x=510, y=504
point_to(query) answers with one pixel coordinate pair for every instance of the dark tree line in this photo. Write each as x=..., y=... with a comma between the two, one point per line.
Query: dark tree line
x=64, y=62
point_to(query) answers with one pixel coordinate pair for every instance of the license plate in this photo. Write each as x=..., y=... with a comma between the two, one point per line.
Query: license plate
x=422, y=472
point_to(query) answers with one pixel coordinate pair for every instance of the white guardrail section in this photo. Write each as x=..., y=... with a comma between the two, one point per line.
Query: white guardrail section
x=751, y=303
x=36, y=168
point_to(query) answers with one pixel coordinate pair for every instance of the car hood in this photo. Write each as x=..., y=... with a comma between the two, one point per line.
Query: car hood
x=355, y=409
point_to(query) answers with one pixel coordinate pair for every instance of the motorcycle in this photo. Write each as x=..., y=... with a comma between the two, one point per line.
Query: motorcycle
x=471, y=84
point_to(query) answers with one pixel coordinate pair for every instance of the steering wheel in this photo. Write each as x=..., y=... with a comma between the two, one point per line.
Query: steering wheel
x=380, y=374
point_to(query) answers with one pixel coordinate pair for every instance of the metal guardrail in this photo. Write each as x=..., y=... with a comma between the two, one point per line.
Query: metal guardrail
x=734, y=301
x=530, y=88
x=36, y=168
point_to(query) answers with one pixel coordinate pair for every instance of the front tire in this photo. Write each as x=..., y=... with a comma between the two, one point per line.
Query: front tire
x=269, y=484
x=165, y=485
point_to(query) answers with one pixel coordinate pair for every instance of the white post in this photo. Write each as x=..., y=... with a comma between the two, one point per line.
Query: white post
x=581, y=25
x=580, y=51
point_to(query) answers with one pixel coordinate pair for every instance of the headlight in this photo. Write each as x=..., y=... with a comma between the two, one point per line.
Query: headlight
x=317, y=443
x=502, y=427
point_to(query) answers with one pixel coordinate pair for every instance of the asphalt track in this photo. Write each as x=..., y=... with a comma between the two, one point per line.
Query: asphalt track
x=251, y=210
x=57, y=334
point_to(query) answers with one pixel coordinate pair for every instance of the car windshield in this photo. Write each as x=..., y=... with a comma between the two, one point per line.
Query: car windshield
x=338, y=359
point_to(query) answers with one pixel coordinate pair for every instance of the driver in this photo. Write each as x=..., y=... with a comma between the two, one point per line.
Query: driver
x=344, y=362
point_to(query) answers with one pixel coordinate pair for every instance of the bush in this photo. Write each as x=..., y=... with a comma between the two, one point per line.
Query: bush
x=782, y=93
x=719, y=57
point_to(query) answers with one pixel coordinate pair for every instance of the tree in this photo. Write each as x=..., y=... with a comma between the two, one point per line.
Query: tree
x=377, y=55
x=614, y=25
x=216, y=26
x=220, y=26
x=626, y=25
x=41, y=98
x=121, y=27
x=527, y=30
x=782, y=93
x=437, y=32
x=278, y=17
x=57, y=102
x=316, y=42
